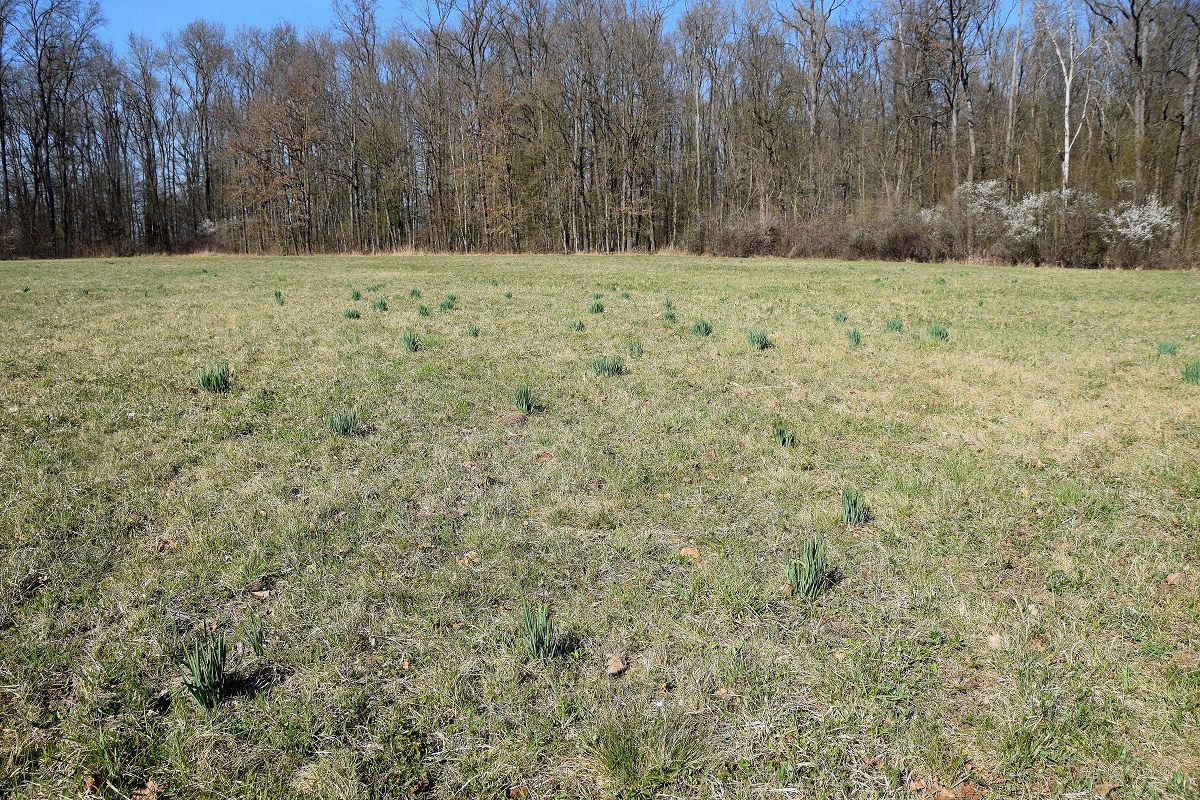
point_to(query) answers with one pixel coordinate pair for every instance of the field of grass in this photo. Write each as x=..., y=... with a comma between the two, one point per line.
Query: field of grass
x=1017, y=617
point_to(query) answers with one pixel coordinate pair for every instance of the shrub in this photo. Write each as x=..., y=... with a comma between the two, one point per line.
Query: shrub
x=412, y=342
x=343, y=423
x=203, y=671
x=854, y=337
x=807, y=574
x=423, y=311
x=577, y=325
x=854, y=507
x=1191, y=373
x=447, y=302
x=938, y=333
x=608, y=365
x=523, y=397
x=784, y=436
x=1167, y=348
x=351, y=313
x=839, y=316
x=596, y=308
x=216, y=378
x=279, y=297
x=380, y=305
x=903, y=235
x=472, y=330
x=893, y=325
x=538, y=631
x=702, y=327
x=635, y=347
x=758, y=339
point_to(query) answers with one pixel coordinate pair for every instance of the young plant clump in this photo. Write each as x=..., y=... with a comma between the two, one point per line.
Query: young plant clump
x=938, y=333
x=808, y=573
x=279, y=297
x=668, y=316
x=343, y=423
x=472, y=330
x=539, y=632
x=758, y=339
x=784, y=436
x=380, y=305
x=412, y=342
x=523, y=397
x=414, y=293
x=1167, y=348
x=702, y=327
x=635, y=347
x=596, y=308
x=351, y=313
x=839, y=316
x=608, y=365
x=1191, y=373
x=447, y=302
x=577, y=325
x=215, y=379
x=355, y=295
x=854, y=507
x=894, y=326
x=853, y=337
x=203, y=671
x=423, y=311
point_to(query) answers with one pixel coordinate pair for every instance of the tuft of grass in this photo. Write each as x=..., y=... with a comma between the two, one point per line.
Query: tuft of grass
x=256, y=636
x=380, y=305
x=447, y=302
x=637, y=758
x=608, y=365
x=279, y=297
x=893, y=325
x=342, y=423
x=508, y=295
x=423, y=311
x=596, y=308
x=26, y=289
x=635, y=347
x=355, y=295
x=412, y=342
x=538, y=631
x=808, y=573
x=597, y=295
x=1167, y=348
x=375, y=287
x=668, y=316
x=625, y=295
x=839, y=316
x=351, y=313
x=853, y=337
x=577, y=325
x=758, y=339
x=414, y=293
x=1191, y=373
x=938, y=333
x=523, y=397
x=784, y=435
x=203, y=671
x=667, y=304
x=940, y=282
x=215, y=378
x=854, y=507
x=702, y=327
x=472, y=330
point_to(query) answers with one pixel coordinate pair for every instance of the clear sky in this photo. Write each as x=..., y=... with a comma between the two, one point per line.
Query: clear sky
x=156, y=17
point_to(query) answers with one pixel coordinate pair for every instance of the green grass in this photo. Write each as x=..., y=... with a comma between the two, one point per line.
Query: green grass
x=702, y=327
x=1007, y=606
x=342, y=423
x=1167, y=348
x=411, y=341
x=352, y=313
x=608, y=365
x=1191, y=372
x=215, y=378
x=853, y=337
x=523, y=397
x=596, y=308
x=203, y=669
x=938, y=333
x=758, y=339
x=380, y=305
x=808, y=572
x=893, y=325
x=448, y=302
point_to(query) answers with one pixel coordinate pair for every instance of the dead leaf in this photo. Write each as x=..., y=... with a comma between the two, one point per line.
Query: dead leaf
x=263, y=595
x=723, y=693
x=1175, y=579
x=89, y=783
x=405, y=664
x=1103, y=790
x=545, y=455
x=969, y=792
x=469, y=464
x=666, y=496
x=616, y=664
x=467, y=558
x=945, y=794
x=917, y=785
x=149, y=793
x=690, y=552
x=519, y=792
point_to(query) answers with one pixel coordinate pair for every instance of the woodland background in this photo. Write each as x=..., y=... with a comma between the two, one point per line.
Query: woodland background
x=925, y=129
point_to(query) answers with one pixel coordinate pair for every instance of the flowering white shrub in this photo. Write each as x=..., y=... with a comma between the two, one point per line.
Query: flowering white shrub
x=1138, y=225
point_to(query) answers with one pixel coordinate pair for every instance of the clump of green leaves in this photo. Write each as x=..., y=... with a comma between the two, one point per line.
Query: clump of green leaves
x=447, y=302
x=577, y=325
x=608, y=365
x=523, y=397
x=853, y=337
x=638, y=757
x=938, y=333
x=538, y=631
x=1191, y=373
x=414, y=292
x=893, y=325
x=423, y=311
x=26, y=289
x=839, y=316
x=508, y=295
x=702, y=327
x=597, y=295
x=472, y=330
x=215, y=378
x=203, y=670
x=256, y=636
x=342, y=423
x=854, y=507
x=596, y=308
x=412, y=342
x=808, y=573
x=380, y=305
x=279, y=297
x=784, y=435
x=635, y=347
x=375, y=287
x=758, y=339
x=625, y=295
x=355, y=295
x=668, y=316
x=939, y=282
x=351, y=313
x=1167, y=348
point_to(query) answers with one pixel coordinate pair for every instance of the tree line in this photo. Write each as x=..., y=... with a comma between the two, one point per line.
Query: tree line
x=903, y=128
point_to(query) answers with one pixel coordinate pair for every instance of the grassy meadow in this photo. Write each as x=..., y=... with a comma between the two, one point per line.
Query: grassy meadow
x=366, y=516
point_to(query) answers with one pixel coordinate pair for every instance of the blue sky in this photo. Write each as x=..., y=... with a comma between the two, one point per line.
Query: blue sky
x=156, y=17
